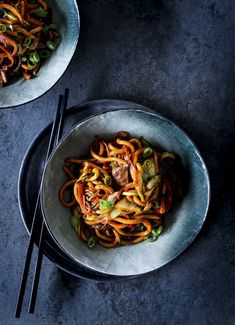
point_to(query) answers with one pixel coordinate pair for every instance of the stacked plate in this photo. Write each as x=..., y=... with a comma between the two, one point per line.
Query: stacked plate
x=82, y=123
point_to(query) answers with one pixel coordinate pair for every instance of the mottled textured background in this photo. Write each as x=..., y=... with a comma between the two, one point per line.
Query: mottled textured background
x=177, y=57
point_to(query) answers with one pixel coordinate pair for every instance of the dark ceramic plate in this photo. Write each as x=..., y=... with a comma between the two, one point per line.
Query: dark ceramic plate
x=65, y=13
x=31, y=173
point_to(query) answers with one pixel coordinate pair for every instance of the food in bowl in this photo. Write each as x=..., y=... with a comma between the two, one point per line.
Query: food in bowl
x=122, y=192
x=27, y=38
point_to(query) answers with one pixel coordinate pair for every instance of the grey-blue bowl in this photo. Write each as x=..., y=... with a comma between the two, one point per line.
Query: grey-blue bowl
x=65, y=13
x=182, y=224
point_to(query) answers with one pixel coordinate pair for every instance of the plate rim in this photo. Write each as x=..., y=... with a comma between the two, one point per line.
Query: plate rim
x=206, y=173
x=83, y=106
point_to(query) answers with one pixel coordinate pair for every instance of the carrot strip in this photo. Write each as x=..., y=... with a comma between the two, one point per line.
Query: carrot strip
x=9, y=55
x=14, y=11
x=26, y=75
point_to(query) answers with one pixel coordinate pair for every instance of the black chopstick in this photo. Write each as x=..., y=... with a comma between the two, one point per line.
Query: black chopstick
x=43, y=227
x=33, y=228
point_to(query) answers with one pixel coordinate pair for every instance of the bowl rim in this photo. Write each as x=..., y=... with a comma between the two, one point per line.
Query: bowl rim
x=148, y=111
x=52, y=86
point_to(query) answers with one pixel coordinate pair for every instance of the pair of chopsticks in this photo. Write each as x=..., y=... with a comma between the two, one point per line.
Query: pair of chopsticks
x=56, y=133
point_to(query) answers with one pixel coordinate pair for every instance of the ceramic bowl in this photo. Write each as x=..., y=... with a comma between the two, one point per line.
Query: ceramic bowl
x=182, y=224
x=66, y=15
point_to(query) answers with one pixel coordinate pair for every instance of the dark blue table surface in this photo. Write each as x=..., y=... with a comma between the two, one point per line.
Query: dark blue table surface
x=177, y=57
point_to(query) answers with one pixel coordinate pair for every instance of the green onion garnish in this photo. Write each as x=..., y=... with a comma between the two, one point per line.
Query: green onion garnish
x=139, y=227
x=44, y=54
x=147, y=152
x=156, y=203
x=105, y=205
x=152, y=237
x=75, y=221
x=107, y=180
x=91, y=242
x=3, y=28
x=113, y=164
x=147, y=163
x=158, y=230
x=24, y=59
x=145, y=177
x=51, y=26
x=17, y=6
x=51, y=45
x=149, y=167
x=40, y=12
x=27, y=42
x=4, y=12
x=32, y=66
x=34, y=57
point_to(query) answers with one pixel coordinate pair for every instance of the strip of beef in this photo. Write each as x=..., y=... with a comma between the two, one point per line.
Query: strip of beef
x=120, y=174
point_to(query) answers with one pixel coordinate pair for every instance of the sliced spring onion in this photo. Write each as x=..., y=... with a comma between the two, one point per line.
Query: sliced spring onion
x=44, y=54
x=51, y=45
x=40, y=12
x=24, y=59
x=91, y=242
x=156, y=203
x=31, y=66
x=147, y=152
x=113, y=164
x=105, y=205
x=3, y=12
x=27, y=42
x=107, y=180
x=139, y=227
x=147, y=163
x=158, y=230
x=3, y=28
x=17, y=6
x=51, y=26
x=75, y=221
x=149, y=167
x=152, y=237
x=145, y=177
x=34, y=57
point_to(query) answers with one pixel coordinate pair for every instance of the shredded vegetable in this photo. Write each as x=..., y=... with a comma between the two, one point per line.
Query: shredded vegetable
x=27, y=38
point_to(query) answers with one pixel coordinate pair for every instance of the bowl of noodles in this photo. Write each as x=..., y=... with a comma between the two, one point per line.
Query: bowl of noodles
x=37, y=42
x=125, y=192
